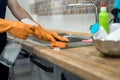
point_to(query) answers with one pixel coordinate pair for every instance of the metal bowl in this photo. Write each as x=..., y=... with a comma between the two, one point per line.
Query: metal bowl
x=109, y=48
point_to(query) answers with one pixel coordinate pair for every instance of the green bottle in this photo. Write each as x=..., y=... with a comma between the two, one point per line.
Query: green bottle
x=104, y=18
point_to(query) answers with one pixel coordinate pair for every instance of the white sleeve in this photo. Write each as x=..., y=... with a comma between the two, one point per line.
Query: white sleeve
x=29, y=21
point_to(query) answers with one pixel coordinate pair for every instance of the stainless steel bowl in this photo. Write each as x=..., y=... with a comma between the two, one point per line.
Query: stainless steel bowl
x=110, y=48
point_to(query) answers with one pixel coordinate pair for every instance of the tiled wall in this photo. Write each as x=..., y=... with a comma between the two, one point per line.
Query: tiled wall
x=58, y=7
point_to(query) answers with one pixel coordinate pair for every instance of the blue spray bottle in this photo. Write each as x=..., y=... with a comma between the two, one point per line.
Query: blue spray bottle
x=98, y=31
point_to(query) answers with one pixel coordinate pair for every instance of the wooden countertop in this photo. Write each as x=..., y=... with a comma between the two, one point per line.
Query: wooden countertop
x=83, y=61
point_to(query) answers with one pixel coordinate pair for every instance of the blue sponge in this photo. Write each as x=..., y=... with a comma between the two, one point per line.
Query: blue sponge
x=94, y=28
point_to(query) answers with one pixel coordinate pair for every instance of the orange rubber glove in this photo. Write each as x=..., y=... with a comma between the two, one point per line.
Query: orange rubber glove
x=15, y=28
x=54, y=38
x=48, y=35
x=59, y=44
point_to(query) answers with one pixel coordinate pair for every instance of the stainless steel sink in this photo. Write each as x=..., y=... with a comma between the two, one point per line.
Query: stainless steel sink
x=74, y=40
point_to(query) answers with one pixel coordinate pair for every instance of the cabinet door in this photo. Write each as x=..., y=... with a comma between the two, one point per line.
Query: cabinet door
x=69, y=76
x=21, y=70
x=59, y=72
x=47, y=70
x=35, y=72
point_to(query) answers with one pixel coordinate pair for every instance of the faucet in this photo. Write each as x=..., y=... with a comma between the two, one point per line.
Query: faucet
x=84, y=4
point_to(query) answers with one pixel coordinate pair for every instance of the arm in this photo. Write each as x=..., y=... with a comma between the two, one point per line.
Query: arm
x=17, y=10
x=37, y=31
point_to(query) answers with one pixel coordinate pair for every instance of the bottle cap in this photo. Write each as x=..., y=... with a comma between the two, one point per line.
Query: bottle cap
x=94, y=28
x=103, y=7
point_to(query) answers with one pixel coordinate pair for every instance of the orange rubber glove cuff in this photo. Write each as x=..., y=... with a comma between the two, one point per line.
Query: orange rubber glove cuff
x=17, y=29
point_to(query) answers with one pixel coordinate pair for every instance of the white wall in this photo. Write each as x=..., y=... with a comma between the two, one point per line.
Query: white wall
x=75, y=23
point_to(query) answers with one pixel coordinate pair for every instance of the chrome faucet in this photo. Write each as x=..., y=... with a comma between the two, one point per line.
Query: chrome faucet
x=84, y=4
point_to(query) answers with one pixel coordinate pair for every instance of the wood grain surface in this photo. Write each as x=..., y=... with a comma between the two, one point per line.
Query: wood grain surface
x=82, y=61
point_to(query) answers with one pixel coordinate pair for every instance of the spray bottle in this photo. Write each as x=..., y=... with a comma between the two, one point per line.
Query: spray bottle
x=104, y=18
x=98, y=32
x=10, y=52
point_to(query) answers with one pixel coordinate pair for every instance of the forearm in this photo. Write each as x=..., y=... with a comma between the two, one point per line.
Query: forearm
x=21, y=13
x=17, y=10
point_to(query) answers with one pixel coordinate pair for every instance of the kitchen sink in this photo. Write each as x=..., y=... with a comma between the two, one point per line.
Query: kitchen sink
x=74, y=40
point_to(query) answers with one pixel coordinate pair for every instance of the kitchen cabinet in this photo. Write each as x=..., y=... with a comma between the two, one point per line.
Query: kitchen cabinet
x=47, y=70
x=21, y=70
x=66, y=75
x=50, y=71
x=69, y=76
